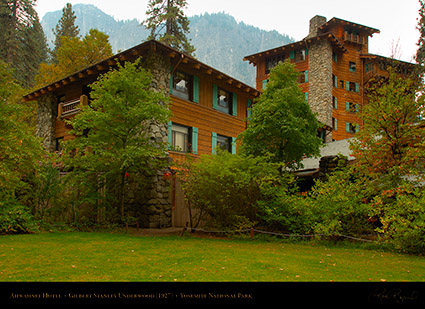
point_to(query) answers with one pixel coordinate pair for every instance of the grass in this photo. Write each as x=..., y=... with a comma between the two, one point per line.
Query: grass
x=99, y=257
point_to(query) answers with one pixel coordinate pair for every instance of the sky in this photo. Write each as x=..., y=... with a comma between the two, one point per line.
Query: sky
x=396, y=19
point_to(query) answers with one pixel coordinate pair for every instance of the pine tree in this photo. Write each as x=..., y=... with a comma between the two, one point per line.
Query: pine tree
x=169, y=14
x=22, y=41
x=65, y=27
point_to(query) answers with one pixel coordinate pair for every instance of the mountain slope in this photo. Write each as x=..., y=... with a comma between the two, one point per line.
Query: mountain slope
x=220, y=41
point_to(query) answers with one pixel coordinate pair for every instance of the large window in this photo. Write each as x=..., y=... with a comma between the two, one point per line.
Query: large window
x=182, y=85
x=180, y=138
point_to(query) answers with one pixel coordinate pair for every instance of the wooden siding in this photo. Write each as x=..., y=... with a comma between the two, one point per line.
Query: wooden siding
x=340, y=69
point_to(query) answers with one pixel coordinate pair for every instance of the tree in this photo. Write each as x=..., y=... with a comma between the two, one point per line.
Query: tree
x=75, y=54
x=112, y=134
x=169, y=14
x=282, y=124
x=391, y=143
x=420, y=53
x=22, y=41
x=65, y=27
x=21, y=154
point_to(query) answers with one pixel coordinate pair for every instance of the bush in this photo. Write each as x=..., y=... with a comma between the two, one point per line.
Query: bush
x=333, y=208
x=339, y=206
x=225, y=188
x=16, y=219
x=402, y=214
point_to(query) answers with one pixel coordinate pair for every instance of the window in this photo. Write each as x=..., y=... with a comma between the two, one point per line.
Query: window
x=334, y=124
x=352, y=66
x=369, y=67
x=271, y=62
x=58, y=145
x=334, y=57
x=225, y=143
x=224, y=101
x=354, y=87
x=352, y=107
x=303, y=77
x=182, y=85
x=351, y=128
x=335, y=81
x=180, y=138
x=300, y=55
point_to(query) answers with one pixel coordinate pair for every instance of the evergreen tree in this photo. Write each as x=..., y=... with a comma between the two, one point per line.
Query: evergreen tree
x=169, y=14
x=65, y=27
x=22, y=41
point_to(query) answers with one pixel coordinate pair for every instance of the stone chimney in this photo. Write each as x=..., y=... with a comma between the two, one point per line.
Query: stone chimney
x=315, y=23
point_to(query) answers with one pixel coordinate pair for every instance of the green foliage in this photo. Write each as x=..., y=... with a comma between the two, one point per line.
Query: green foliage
x=113, y=137
x=402, y=214
x=225, y=188
x=16, y=218
x=339, y=207
x=282, y=124
x=169, y=14
x=391, y=142
x=20, y=150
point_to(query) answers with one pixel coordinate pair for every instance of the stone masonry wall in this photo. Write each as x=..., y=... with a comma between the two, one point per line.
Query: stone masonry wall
x=320, y=81
x=155, y=211
x=47, y=109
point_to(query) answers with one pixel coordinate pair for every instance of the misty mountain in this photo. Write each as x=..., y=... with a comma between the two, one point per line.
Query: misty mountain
x=220, y=40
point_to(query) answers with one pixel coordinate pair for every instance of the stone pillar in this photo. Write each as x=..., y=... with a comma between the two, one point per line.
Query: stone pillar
x=320, y=81
x=315, y=23
x=156, y=209
x=47, y=109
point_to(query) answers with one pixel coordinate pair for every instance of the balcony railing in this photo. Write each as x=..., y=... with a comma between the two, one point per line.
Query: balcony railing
x=354, y=38
x=71, y=107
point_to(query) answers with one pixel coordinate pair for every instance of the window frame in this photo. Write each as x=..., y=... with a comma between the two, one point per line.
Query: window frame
x=229, y=94
x=188, y=141
x=180, y=94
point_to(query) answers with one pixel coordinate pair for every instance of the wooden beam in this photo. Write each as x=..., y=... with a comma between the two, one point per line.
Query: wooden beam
x=209, y=72
x=197, y=66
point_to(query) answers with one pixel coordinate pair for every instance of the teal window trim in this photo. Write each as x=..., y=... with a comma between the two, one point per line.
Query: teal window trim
x=195, y=140
x=215, y=96
x=233, y=145
x=234, y=104
x=196, y=89
x=214, y=143
x=265, y=83
x=306, y=76
x=170, y=134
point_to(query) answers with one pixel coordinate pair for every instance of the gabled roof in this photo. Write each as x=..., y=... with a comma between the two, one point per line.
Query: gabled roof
x=325, y=27
x=132, y=54
x=297, y=45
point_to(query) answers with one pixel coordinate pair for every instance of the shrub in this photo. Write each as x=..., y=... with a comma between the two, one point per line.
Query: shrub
x=226, y=187
x=402, y=214
x=15, y=218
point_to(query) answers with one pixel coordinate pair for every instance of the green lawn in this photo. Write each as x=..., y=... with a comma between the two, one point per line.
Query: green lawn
x=123, y=257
